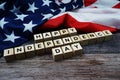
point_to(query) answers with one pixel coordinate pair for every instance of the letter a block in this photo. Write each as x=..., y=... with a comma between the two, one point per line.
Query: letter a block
x=67, y=50
x=19, y=52
x=9, y=55
x=57, y=54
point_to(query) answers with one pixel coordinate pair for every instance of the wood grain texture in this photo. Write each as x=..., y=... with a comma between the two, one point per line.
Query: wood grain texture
x=99, y=62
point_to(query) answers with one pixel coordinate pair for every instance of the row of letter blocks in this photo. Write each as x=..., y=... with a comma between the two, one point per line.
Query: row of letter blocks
x=64, y=43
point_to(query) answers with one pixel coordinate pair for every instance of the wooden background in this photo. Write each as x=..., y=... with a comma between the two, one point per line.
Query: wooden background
x=99, y=62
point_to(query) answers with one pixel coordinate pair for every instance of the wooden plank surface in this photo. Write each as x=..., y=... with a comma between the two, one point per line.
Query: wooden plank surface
x=99, y=62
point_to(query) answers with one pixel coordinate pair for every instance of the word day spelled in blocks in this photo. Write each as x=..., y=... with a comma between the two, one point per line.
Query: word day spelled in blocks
x=67, y=41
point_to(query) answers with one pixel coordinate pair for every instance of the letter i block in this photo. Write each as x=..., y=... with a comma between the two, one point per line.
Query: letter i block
x=77, y=48
x=68, y=52
x=108, y=35
x=47, y=36
x=39, y=48
x=48, y=46
x=92, y=38
x=58, y=42
x=57, y=54
x=19, y=52
x=83, y=39
x=55, y=34
x=38, y=37
x=72, y=31
x=66, y=40
x=64, y=33
x=100, y=36
x=29, y=50
x=9, y=55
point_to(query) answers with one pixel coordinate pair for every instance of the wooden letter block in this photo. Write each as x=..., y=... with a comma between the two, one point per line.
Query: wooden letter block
x=75, y=39
x=39, y=48
x=47, y=36
x=48, y=46
x=83, y=39
x=100, y=36
x=108, y=35
x=19, y=52
x=67, y=40
x=72, y=31
x=9, y=55
x=77, y=48
x=29, y=50
x=55, y=34
x=38, y=37
x=92, y=38
x=67, y=50
x=64, y=33
x=58, y=42
x=57, y=54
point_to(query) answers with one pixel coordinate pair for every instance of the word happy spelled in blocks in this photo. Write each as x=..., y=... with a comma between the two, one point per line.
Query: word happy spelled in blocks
x=66, y=41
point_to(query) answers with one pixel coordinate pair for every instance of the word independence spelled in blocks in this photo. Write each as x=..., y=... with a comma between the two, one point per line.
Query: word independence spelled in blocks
x=63, y=44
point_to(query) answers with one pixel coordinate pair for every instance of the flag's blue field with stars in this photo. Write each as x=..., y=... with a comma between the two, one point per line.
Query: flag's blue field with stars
x=18, y=18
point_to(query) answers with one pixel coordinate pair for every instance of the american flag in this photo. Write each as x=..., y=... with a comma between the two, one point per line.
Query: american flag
x=20, y=18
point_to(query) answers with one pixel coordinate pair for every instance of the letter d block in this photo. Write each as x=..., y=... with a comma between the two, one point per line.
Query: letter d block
x=29, y=50
x=9, y=55
x=57, y=54
x=77, y=48
x=108, y=35
x=67, y=50
x=19, y=52
x=39, y=48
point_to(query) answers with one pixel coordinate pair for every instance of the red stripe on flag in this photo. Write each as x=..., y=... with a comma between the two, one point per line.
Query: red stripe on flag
x=67, y=20
x=89, y=2
x=117, y=6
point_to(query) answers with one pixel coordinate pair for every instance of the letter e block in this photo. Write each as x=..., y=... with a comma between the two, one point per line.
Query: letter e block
x=108, y=35
x=58, y=42
x=83, y=39
x=48, y=46
x=39, y=48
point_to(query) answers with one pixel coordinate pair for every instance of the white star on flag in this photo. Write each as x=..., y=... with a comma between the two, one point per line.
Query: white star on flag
x=11, y=37
x=21, y=17
x=2, y=22
x=46, y=2
x=46, y=16
x=29, y=26
x=2, y=6
x=62, y=10
x=32, y=7
x=15, y=9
